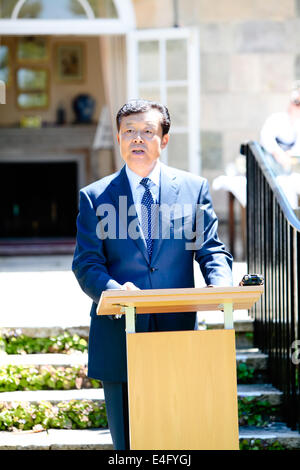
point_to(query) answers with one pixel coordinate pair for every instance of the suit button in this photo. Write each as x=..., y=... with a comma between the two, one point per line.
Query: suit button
x=152, y=270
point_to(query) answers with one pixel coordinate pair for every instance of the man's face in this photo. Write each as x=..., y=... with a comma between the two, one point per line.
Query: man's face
x=141, y=141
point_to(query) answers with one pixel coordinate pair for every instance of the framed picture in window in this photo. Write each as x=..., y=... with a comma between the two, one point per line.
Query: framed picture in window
x=5, y=65
x=32, y=87
x=32, y=49
x=70, y=63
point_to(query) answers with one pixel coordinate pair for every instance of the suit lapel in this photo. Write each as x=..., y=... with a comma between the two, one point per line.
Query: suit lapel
x=121, y=195
x=169, y=189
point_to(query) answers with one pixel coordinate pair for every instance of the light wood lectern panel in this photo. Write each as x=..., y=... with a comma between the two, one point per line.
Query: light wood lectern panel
x=182, y=390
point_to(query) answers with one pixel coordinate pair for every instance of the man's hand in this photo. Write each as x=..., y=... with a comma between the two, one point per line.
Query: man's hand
x=129, y=286
x=126, y=286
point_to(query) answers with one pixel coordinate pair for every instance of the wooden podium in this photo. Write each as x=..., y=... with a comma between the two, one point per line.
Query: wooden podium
x=182, y=385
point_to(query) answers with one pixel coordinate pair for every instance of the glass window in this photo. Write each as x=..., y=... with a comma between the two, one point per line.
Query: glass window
x=178, y=151
x=149, y=93
x=177, y=99
x=32, y=100
x=4, y=64
x=176, y=59
x=6, y=8
x=32, y=48
x=62, y=9
x=32, y=79
x=47, y=9
x=32, y=88
x=103, y=8
x=160, y=68
x=148, y=61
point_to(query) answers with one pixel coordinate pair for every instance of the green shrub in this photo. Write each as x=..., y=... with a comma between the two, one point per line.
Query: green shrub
x=245, y=374
x=74, y=414
x=260, y=444
x=14, y=342
x=254, y=412
x=15, y=377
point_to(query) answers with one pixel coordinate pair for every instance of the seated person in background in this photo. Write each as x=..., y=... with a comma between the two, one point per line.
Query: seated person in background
x=280, y=138
x=280, y=134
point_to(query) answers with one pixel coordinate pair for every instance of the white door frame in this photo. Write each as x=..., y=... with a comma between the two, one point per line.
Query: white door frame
x=192, y=127
x=90, y=27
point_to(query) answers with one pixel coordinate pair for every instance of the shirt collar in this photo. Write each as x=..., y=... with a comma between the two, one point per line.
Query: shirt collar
x=135, y=179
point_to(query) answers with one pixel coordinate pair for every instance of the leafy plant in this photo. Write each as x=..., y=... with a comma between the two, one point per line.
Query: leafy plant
x=74, y=414
x=245, y=374
x=254, y=412
x=15, y=377
x=260, y=444
x=14, y=342
x=249, y=335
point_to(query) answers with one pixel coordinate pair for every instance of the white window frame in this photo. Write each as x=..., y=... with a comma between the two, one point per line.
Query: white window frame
x=192, y=128
x=90, y=27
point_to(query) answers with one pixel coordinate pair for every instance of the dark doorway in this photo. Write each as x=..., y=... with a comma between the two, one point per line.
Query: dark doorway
x=38, y=199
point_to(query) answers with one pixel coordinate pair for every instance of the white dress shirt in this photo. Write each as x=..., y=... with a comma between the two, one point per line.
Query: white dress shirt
x=280, y=132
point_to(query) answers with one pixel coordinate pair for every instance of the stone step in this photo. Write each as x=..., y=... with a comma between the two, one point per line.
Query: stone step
x=260, y=391
x=243, y=330
x=100, y=439
x=273, y=435
x=240, y=326
x=49, y=331
x=57, y=439
x=52, y=359
x=53, y=396
x=251, y=364
x=251, y=356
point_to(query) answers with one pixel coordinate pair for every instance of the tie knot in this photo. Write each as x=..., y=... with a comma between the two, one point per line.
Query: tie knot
x=145, y=182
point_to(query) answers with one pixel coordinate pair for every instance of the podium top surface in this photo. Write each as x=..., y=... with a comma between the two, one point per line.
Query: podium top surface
x=178, y=300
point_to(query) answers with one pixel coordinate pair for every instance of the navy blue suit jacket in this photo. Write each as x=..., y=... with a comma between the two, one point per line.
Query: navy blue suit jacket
x=102, y=262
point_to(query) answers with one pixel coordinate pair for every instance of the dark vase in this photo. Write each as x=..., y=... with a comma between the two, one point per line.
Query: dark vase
x=83, y=106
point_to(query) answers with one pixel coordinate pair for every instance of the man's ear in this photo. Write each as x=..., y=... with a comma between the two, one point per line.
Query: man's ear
x=164, y=141
x=118, y=138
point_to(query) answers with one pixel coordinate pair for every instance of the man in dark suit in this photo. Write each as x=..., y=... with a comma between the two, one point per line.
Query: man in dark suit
x=142, y=228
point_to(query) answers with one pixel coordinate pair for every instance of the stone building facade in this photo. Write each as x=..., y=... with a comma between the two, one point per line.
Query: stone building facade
x=249, y=58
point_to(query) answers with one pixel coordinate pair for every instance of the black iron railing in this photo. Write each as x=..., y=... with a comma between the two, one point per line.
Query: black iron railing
x=273, y=249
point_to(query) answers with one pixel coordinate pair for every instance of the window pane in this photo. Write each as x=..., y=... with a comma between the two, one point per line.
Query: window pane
x=151, y=94
x=177, y=102
x=178, y=151
x=32, y=100
x=32, y=48
x=6, y=8
x=31, y=79
x=176, y=59
x=47, y=9
x=148, y=56
x=4, y=65
x=67, y=9
x=104, y=8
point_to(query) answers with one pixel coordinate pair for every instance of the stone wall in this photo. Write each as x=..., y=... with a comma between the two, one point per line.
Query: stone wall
x=249, y=56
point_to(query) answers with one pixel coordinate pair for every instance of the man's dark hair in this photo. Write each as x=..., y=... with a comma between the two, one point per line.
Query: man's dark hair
x=142, y=106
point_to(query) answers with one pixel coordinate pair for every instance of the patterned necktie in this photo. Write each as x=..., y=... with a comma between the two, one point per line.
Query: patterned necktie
x=147, y=202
